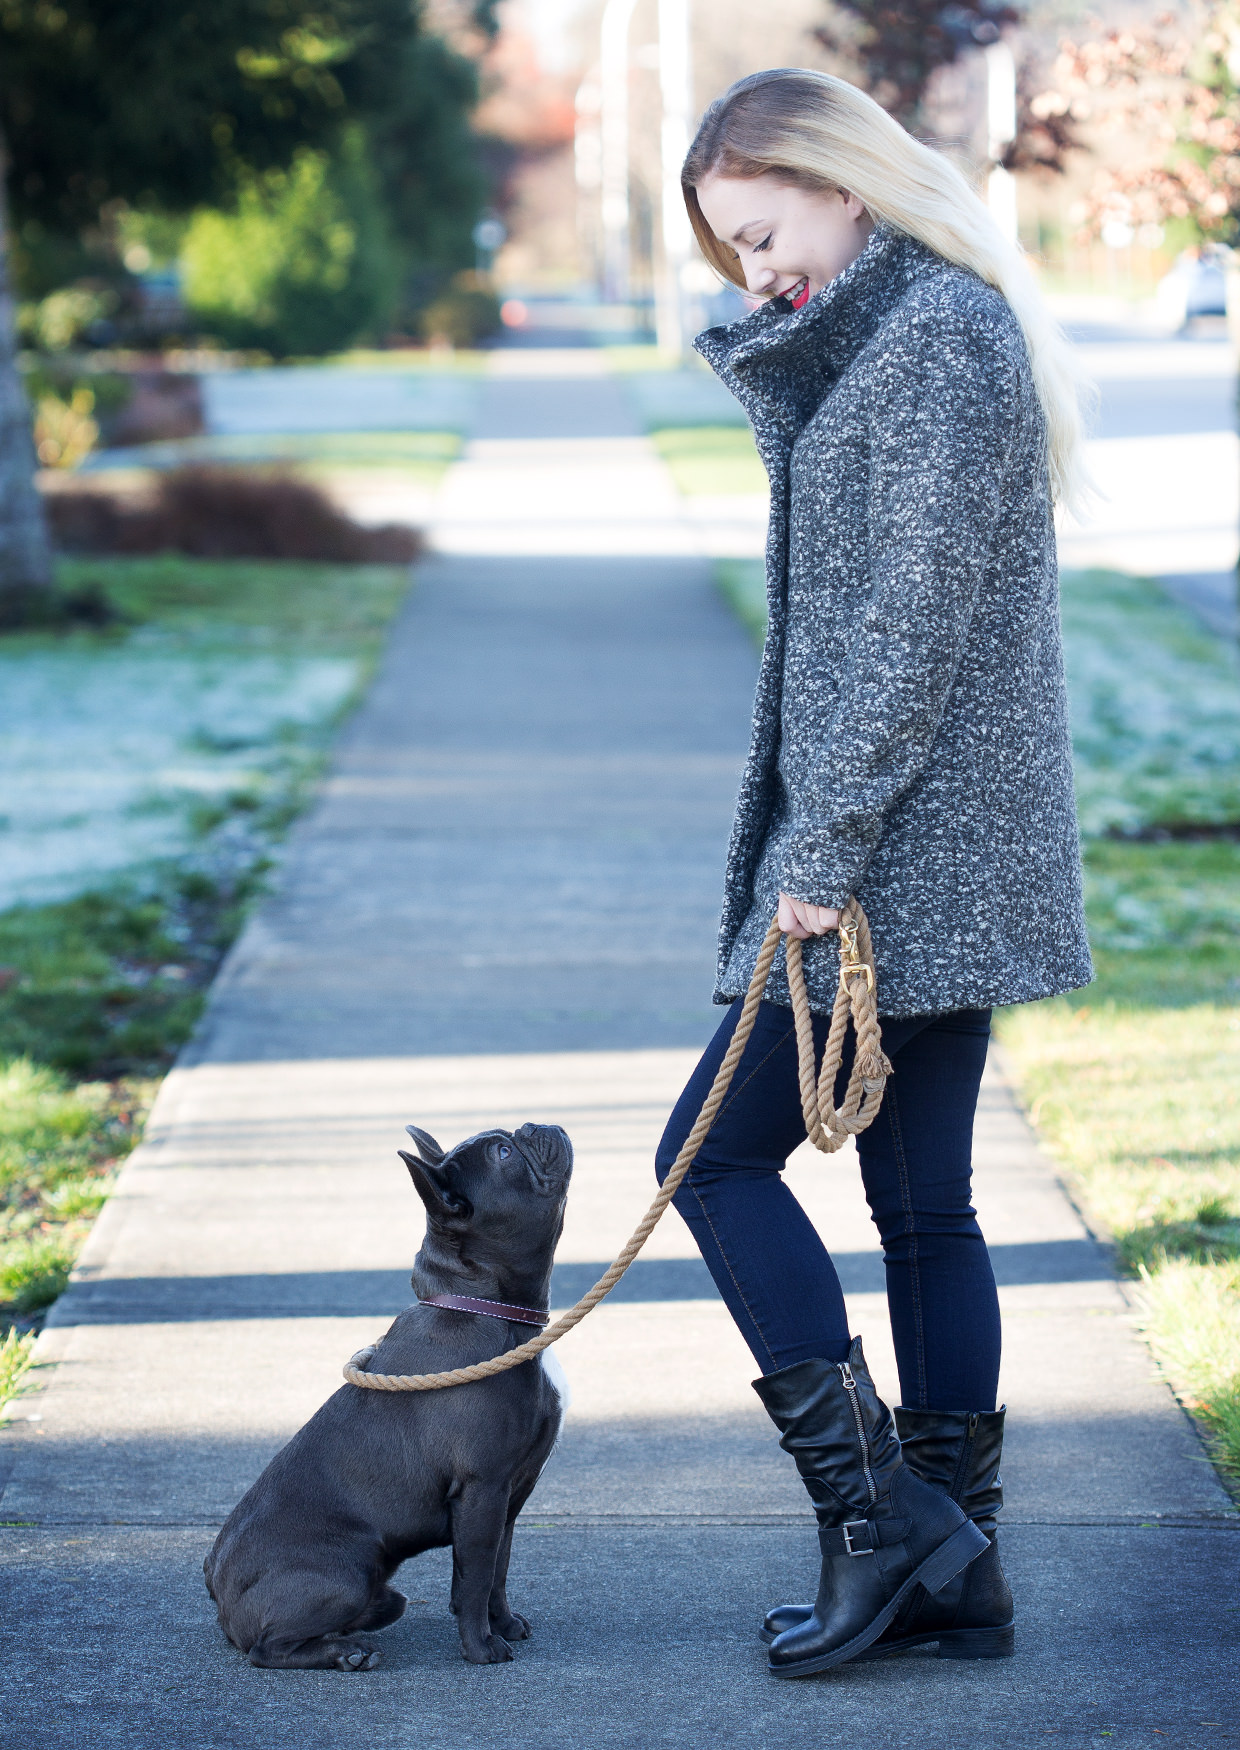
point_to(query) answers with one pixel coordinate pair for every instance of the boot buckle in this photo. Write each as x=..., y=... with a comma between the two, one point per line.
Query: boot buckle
x=856, y=1525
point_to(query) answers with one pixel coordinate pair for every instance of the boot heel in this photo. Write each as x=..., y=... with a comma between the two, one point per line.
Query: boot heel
x=964, y=1545
x=978, y=1643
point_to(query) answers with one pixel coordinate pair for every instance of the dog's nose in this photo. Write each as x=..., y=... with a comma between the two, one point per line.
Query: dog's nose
x=543, y=1139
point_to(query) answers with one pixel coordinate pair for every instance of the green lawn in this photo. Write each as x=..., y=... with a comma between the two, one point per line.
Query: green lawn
x=743, y=584
x=1134, y=1084
x=1155, y=708
x=462, y=360
x=711, y=459
x=60, y=1143
x=99, y=987
x=1137, y=1101
x=419, y=458
x=302, y=609
x=623, y=358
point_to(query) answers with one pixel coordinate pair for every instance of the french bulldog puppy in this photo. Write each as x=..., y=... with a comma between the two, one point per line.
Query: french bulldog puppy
x=300, y=1571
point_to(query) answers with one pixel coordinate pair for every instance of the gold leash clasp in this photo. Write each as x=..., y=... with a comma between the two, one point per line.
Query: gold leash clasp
x=851, y=962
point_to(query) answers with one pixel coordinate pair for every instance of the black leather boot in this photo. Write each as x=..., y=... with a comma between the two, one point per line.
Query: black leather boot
x=883, y=1532
x=971, y=1617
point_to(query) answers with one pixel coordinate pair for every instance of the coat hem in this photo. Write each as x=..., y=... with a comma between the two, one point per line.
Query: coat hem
x=981, y=997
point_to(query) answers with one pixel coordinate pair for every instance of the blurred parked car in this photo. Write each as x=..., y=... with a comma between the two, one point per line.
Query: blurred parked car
x=1196, y=285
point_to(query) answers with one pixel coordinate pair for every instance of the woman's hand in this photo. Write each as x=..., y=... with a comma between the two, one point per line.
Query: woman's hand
x=800, y=919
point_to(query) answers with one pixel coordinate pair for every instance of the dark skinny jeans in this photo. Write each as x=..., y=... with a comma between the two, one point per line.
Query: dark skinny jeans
x=764, y=1253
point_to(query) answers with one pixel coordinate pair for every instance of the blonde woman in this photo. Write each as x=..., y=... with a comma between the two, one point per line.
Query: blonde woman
x=915, y=409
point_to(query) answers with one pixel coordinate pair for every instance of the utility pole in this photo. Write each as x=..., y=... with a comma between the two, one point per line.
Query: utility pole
x=614, y=80
x=588, y=159
x=676, y=86
x=1000, y=132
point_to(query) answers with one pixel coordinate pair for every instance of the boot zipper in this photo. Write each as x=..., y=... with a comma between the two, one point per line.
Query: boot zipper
x=850, y=1386
x=962, y=1463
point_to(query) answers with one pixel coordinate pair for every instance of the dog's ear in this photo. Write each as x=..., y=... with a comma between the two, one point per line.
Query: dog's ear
x=425, y=1144
x=433, y=1188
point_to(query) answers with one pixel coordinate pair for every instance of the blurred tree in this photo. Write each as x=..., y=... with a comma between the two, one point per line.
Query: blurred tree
x=408, y=182
x=137, y=100
x=110, y=101
x=304, y=263
x=1173, y=99
x=1046, y=132
x=899, y=44
x=428, y=163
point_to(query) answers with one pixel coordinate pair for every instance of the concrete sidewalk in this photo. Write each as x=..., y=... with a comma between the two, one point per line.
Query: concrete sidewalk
x=503, y=907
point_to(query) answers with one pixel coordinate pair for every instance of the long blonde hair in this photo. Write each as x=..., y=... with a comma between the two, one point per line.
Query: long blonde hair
x=819, y=132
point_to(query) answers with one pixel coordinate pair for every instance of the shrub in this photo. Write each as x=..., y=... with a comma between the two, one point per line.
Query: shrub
x=462, y=316
x=65, y=317
x=222, y=513
x=303, y=264
x=15, y=1354
x=65, y=431
x=34, y=1271
x=161, y=405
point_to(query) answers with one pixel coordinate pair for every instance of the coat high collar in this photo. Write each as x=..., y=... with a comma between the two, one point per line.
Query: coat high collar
x=780, y=363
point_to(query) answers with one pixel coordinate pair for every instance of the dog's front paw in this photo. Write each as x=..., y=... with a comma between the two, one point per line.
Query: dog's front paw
x=512, y=1627
x=494, y=1650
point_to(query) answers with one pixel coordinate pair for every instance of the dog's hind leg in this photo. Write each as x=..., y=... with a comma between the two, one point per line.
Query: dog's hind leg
x=306, y=1622
x=385, y=1607
x=479, y=1531
x=505, y=1621
x=320, y=1653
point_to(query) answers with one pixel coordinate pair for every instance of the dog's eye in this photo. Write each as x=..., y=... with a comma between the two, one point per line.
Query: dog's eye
x=504, y=1151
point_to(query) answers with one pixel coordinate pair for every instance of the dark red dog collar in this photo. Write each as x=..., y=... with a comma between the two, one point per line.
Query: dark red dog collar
x=491, y=1309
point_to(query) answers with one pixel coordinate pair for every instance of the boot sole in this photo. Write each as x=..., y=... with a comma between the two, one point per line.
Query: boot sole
x=995, y=1642
x=954, y=1643
x=964, y=1545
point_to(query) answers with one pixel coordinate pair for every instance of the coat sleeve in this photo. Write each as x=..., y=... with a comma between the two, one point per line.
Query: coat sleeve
x=945, y=417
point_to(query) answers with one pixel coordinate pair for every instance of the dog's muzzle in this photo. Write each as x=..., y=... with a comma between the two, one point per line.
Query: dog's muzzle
x=546, y=1151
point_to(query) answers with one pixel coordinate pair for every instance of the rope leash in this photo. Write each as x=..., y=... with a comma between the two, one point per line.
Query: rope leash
x=827, y=1128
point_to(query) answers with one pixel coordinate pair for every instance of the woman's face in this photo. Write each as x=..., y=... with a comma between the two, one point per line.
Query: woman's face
x=789, y=241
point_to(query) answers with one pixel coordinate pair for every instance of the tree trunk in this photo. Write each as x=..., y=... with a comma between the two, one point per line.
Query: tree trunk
x=25, y=553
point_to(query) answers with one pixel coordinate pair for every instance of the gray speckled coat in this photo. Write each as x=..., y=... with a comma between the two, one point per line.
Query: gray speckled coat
x=910, y=734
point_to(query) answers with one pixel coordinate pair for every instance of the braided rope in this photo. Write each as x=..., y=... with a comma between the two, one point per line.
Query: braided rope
x=856, y=999
x=827, y=1128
